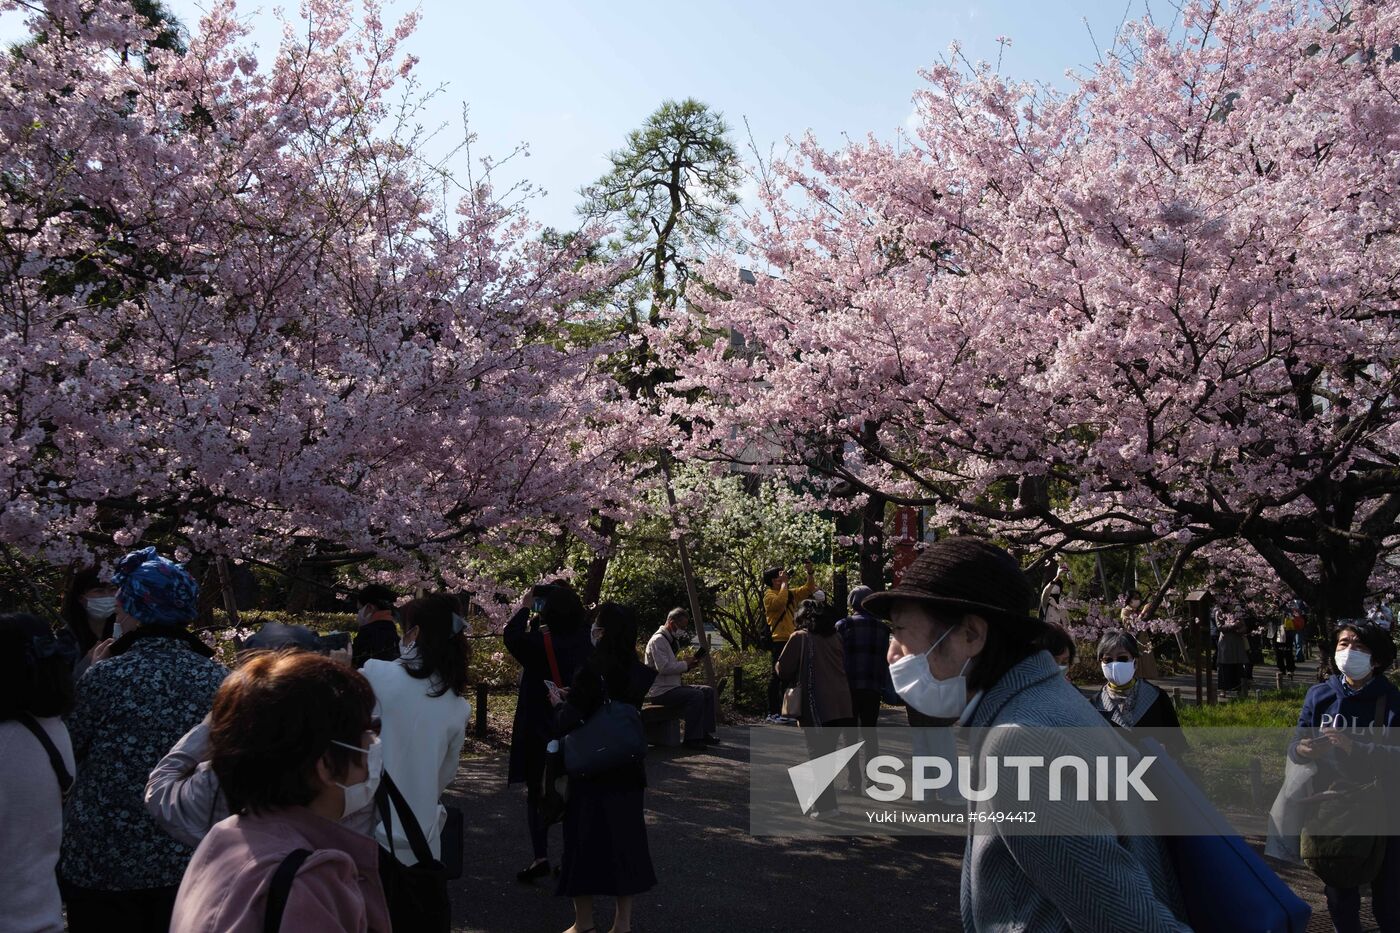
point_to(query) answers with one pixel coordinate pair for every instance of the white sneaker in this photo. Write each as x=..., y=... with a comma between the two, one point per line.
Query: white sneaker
x=785, y=721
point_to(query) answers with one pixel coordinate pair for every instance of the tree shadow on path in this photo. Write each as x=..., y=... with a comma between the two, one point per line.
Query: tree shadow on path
x=712, y=874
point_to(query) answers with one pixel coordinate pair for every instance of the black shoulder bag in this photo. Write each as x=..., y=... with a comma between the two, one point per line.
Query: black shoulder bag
x=279, y=889
x=1338, y=841
x=416, y=894
x=60, y=770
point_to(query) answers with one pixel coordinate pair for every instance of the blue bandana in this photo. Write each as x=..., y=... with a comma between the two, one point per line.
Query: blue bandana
x=155, y=590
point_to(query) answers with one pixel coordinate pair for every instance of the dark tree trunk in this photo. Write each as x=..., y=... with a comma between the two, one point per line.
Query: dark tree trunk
x=1342, y=584
x=840, y=588
x=598, y=565
x=872, y=543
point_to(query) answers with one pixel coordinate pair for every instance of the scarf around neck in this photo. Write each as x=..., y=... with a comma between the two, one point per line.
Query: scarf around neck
x=1126, y=707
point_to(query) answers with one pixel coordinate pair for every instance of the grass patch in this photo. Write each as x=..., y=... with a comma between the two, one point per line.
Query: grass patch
x=1275, y=709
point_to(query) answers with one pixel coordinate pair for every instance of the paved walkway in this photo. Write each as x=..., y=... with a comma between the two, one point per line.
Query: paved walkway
x=1305, y=676
x=714, y=876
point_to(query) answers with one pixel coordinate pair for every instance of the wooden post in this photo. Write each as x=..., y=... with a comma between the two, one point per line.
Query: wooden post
x=226, y=584
x=480, y=729
x=1211, y=696
x=1196, y=654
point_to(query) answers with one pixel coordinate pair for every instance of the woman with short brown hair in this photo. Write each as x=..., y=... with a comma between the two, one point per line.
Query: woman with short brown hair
x=294, y=750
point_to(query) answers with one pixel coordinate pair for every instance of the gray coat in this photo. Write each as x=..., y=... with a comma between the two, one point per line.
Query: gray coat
x=1097, y=881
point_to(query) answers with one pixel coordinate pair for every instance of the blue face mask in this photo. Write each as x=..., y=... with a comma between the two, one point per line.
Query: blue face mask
x=914, y=682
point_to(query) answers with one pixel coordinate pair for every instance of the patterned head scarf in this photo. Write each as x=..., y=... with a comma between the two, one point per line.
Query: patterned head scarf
x=155, y=590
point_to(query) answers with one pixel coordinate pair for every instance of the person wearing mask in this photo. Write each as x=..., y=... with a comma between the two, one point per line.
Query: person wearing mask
x=90, y=609
x=1060, y=643
x=1343, y=717
x=966, y=642
x=605, y=831
x=377, y=634
x=697, y=702
x=119, y=870
x=1126, y=699
x=780, y=600
x=554, y=607
x=1280, y=638
x=865, y=641
x=423, y=711
x=182, y=791
x=1052, y=597
x=814, y=661
x=1295, y=613
x=1231, y=653
x=294, y=749
x=36, y=769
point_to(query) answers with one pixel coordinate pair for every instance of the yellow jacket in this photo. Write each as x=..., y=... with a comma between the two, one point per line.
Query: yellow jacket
x=778, y=603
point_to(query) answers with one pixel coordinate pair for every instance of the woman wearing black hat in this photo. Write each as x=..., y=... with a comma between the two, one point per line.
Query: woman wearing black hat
x=965, y=644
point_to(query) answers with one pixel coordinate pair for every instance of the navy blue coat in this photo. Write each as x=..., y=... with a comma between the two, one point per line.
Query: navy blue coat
x=1328, y=707
x=534, y=716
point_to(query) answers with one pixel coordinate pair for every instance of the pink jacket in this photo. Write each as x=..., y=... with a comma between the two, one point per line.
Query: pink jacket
x=337, y=888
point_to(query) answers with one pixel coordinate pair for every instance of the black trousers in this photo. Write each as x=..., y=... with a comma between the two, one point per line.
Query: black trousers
x=539, y=827
x=866, y=704
x=144, y=910
x=775, y=686
x=698, y=704
x=1344, y=904
x=823, y=740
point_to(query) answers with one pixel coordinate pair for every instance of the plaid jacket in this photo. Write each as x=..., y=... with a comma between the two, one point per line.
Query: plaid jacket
x=867, y=642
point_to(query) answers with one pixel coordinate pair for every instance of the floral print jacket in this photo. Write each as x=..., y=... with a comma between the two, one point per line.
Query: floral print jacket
x=130, y=710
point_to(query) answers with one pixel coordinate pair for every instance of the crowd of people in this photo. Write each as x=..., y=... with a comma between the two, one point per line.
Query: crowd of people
x=304, y=788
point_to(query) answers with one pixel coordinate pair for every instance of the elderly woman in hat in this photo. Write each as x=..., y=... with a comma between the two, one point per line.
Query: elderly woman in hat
x=965, y=643
x=119, y=871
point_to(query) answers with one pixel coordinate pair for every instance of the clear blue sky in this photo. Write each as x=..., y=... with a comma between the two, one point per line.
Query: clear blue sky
x=571, y=78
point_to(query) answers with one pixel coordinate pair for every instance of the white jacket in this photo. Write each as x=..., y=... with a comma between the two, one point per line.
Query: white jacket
x=661, y=657
x=422, y=738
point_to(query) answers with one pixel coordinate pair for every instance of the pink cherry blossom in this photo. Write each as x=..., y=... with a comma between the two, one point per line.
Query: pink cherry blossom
x=1159, y=306
x=238, y=309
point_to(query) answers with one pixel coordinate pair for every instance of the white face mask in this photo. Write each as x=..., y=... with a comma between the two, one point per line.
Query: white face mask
x=408, y=650
x=361, y=795
x=100, y=607
x=916, y=685
x=1119, y=673
x=1064, y=668
x=1353, y=662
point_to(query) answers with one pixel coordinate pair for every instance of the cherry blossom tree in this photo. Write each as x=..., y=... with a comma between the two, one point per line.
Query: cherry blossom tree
x=1158, y=307
x=239, y=311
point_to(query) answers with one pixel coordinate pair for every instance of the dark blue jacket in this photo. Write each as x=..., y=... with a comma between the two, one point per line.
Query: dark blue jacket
x=866, y=641
x=1328, y=706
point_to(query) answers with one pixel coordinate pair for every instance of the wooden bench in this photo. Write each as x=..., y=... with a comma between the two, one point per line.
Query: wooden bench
x=662, y=725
